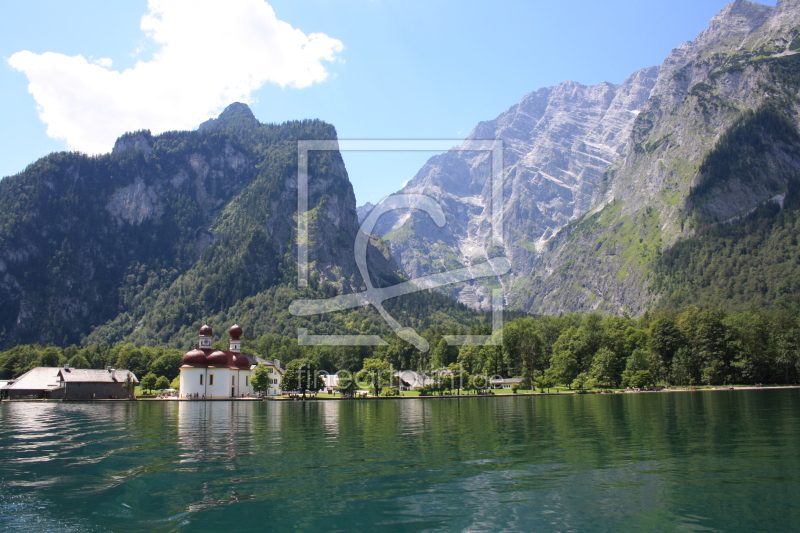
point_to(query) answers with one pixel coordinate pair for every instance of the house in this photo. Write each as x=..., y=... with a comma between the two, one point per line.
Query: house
x=410, y=380
x=331, y=382
x=275, y=373
x=38, y=383
x=215, y=374
x=504, y=383
x=85, y=384
x=43, y=383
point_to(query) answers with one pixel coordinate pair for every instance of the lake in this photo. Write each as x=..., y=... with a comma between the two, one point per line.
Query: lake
x=693, y=461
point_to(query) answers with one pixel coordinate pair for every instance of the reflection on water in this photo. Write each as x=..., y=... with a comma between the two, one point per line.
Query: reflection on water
x=687, y=461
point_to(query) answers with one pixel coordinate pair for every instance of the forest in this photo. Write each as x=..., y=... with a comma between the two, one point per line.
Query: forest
x=696, y=346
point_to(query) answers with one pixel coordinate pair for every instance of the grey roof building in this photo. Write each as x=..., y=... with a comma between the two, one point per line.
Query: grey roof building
x=70, y=384
x=504, y=383
x=37, y=383
x=410, y=380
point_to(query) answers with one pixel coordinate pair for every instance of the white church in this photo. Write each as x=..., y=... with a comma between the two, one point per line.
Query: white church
x=215, y=374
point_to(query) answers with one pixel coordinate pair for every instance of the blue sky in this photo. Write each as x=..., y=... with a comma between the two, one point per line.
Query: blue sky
x=381, y=69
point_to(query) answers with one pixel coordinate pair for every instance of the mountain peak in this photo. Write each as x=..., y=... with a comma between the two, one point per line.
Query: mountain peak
x=237, y=110
x=236, y=113
x=735, y=20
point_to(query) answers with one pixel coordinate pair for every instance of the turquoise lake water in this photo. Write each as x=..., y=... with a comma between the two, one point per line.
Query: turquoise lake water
x=690, y=461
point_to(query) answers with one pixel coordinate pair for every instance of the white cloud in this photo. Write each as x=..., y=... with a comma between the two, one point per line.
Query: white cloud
x=212, y=53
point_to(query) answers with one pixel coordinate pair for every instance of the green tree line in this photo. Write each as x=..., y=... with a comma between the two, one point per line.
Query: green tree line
x=693, y=347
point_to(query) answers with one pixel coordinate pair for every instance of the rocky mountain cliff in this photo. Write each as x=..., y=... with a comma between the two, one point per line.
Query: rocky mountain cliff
x=169, y=231
x=558, y=142
x=717, y=138
x=601, y=181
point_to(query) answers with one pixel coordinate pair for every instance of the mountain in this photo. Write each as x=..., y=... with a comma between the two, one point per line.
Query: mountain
x=603, y=182
x=717, y=139
x=166, y=232
x=558, y=142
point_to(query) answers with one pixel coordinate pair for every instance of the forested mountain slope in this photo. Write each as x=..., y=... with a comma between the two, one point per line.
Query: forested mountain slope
x=717, y=139
x=166, y=232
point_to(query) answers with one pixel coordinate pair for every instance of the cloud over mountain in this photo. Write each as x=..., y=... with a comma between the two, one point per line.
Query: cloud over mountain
x=211, y=53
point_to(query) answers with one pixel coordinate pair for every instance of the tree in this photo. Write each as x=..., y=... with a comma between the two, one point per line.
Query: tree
x=712, y=337
x=521, y=338
x=79, y=361
x=176, y=383
x=131, y=358
x=685, y=368
x=788, y=354
x=755, y=346
x=580, y=381
x=564, y=367
x=606, y=368
x=302, y=375
x=493, y=359
x=167, y=365
x=443, y=355
x=148, y=382
x=471, y=357
x=130, y=385
x=162, y=383
x=637, y=372
x=260, y=378
x=458, y=377
x=377, y=373
x=347, y=386
x=398, y=353
x=49, y=357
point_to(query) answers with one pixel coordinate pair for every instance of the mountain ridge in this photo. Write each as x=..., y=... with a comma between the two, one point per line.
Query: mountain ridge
x=558, y=142
x=146, y=242
x=706, y=90
x=726, y=96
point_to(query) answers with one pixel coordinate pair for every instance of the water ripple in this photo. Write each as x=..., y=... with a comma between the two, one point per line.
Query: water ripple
x=505, y=464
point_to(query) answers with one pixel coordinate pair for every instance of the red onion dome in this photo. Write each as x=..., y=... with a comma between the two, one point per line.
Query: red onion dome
x=218, y=358
x=205, y=331
x=195, y=358
x=235, y=331
x=241, y=361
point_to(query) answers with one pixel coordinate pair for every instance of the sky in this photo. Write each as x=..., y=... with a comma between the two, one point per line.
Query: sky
x=76, y=75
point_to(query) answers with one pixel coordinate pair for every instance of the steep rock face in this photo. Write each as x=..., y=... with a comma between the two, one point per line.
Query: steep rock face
x=558, y=142
x=718, y=137
x=601, y=180
x=135, y=203
x=167, y=230
x=140, y=140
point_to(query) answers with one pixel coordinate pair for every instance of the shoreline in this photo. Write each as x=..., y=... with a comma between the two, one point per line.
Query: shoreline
x=432, y=397
x=512, y=395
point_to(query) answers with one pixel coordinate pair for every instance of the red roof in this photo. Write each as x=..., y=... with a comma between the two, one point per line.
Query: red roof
x=201, y=358
x=196, y=357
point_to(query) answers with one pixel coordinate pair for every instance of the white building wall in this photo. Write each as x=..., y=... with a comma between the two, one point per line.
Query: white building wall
x=243, y=385
x=274, y=376
x=190, y=381
x=227, y=383
x=219, y=383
